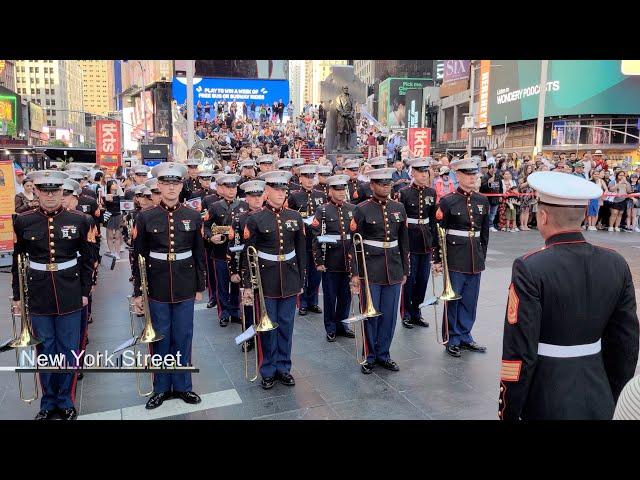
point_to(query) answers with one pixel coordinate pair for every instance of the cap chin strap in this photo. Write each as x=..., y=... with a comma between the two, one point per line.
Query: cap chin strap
x=540, y=202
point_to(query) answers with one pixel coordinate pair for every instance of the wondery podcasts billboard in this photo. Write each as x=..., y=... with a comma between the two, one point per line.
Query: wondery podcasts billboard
x=260, y=91
x=574, y=87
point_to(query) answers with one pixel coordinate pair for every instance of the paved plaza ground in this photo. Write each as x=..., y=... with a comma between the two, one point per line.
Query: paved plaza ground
x=430, y=384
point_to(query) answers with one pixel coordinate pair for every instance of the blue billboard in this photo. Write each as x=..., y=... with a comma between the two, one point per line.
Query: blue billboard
x=260, y=91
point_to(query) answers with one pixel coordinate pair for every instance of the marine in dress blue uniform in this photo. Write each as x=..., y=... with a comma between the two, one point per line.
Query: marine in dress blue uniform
x=277, y=233
x=306, y=201
x=286, y=165
x=323, y=172
x=247, y=174
x=464, y=215
x=383, y=225
x=169, y=237
x=265, y=163
x=570, y=339
x=364, y=191
x=351, y=168
x=156, y=196
x=254, y=197
x=58, y=246
x=220, y=214
x=191, y=183
x=332, y=256
x=140, y=175
x=419, y=202
x=208, y=196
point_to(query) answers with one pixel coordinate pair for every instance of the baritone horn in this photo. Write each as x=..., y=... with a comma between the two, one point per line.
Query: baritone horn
x=447, y=295
x=262, y=324
x=25, y=339
x=365, y=311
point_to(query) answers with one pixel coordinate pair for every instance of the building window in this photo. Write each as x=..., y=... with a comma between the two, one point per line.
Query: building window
x=33, y=92
x=48, y=123
x=30, y=69
x=46, y=91
x=37, y=91
x=38, y=101
x=37, y=69
x=53, y=92
x=48, y=112
x=53, y=102
x=47, y=102
x=53, y=123
x=53, y=112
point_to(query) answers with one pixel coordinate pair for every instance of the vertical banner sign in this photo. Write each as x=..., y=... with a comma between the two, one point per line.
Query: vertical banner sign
x=483, y=111
x=420, y=141
x=414, y=108
x=7, y=205
x=108, y=149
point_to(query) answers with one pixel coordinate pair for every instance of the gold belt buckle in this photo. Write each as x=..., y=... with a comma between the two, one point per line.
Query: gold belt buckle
x=421, y=221
x=385, y=244
x=281, y=258
x=303, y=214
x=171, y=257
x=52, y=267
x=471, y=233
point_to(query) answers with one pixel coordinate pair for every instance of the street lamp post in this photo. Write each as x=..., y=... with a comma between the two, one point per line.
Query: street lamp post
x=541, y=99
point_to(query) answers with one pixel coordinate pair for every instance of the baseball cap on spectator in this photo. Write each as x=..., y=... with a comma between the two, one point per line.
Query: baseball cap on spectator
x=444, y=171
x=598, y=152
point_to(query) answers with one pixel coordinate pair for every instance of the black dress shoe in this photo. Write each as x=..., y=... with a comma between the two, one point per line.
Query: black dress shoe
x=224, y=322
x=302, y=312
x=406, y=323
x=420, y=322
x=211, y=304
x=453, y=350
x=331, y=337
x=367, y=368
x=248, y=345
x=267, y=382
x=188, y=397
x=45, y=415
x=314, y=309
x=347, y=332
x=389, y=365
x=235, y=320
x=473, y=347
x=156, y=400
x=68, y=413
x=286, y=379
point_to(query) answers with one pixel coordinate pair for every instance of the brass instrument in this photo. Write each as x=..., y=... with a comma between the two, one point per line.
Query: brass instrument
x=148, y=334
x=26, y=338
x=447, y=294
x=323, y=231
x=368, y=311
x=220, y=230
x=264, y=323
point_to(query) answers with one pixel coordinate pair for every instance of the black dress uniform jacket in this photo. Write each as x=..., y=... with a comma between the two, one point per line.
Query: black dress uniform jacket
x=463, y=211
x=90, y=192
x=236, y=260
x=336, y=218
x=201, y=193
x=219, y=214
x=322, y=188
x=277, y=232
x=306, y=201
x=49, y=238
x=209, y=200
x=189, y=185
x=363, y=193
x=164, y=229
x=353, y=186
x=383, y=221
x=569, y=292
x=419, y=203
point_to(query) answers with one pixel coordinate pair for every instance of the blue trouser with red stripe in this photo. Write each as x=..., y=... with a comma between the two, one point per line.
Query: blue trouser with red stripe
x=175, y=322
x=309, y=296
x=60, y=334
x=380, y=329
x=461, y=314
x=337, y=300
x=276, y=344
x=228, y=292
x=211, y=276
x=415, y=287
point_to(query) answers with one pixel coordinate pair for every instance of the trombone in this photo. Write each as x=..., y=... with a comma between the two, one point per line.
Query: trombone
x=264, y=323
x=148, y=334
x=26, y=338
x=447, y=295
x=365, y=311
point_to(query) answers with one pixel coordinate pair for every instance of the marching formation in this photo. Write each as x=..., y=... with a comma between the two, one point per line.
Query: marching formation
x=261, y=238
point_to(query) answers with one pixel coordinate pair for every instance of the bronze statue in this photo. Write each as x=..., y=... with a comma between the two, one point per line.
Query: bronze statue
x=345, y=118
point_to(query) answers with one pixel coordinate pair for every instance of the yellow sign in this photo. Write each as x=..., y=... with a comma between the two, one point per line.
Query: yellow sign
x=7, y=205
x=630, y=67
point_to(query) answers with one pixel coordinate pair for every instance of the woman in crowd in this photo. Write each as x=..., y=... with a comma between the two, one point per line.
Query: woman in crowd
x=507, y=209
x=527, y=199
x=619, y=202
x=26, y=200
x=443, y=185
x=113, y=217
x=596, y=203
x=633, y=204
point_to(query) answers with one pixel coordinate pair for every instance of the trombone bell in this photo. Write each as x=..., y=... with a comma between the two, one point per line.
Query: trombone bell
x=265, y=324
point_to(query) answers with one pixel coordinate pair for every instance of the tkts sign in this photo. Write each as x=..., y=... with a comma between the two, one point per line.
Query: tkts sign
x=420, y=141
x=108, y=149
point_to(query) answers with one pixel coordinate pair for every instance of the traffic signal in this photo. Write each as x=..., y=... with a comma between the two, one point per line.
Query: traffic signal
x=88, y=119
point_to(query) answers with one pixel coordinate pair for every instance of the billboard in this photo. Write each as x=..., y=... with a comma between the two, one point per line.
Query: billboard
x=266, y=69
x=483, y=107
x=108, y=150
x=414, y=109
x=396, y=90
x=232, y=89
x=456, y=77
x=128, y=123
x=574, y=87
x=36, y=117
x=63, y=134
x=419, y=140
x=7, y=206
x=10, y=115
